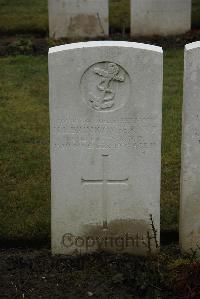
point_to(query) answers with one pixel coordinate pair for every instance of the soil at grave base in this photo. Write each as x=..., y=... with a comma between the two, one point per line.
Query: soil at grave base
x=37, y=45
x=30, y=273
x=35, y=273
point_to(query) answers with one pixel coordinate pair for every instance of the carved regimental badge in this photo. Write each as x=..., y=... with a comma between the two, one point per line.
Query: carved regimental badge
x=105, y=86
x=108, y=76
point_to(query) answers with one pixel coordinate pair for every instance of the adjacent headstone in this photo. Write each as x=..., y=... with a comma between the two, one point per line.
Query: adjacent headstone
x=105, y=112
x=78, y=18
x=160, y=17
x=190, y=172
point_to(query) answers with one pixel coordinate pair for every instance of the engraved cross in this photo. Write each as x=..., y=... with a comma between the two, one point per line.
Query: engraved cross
x=105, y=182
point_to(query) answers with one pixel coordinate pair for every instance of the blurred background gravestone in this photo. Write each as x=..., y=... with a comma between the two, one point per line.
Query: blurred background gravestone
x=160, y=17
x=78, y=18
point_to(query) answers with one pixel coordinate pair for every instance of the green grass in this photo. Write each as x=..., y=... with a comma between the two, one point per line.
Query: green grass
x=23, y=16
x=24, y=150
x=196, y=14
x=119, y=15
x=31, y=16
x=172, y=110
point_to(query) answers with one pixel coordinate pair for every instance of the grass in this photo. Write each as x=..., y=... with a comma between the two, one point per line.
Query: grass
x=172, y=110
x=26, y=16
x=119, y=15
x=196, y=14
x=23, y=16
x=24, y=151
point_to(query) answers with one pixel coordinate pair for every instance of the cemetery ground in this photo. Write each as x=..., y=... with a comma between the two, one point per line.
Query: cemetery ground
x=25, y=195
x=27, y=268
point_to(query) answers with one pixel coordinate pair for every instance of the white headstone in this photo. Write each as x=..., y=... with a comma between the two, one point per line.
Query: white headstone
x=105, y=111
x=78, y=18
x=160, y=17
x=190, y=172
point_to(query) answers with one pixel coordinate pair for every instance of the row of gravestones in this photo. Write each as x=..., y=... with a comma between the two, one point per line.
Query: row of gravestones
x=106, y=121
x=89, y=18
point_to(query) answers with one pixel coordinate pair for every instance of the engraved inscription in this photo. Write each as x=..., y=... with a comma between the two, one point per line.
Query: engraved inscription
x=104, y=181
x=105, y=86
x=106, y=134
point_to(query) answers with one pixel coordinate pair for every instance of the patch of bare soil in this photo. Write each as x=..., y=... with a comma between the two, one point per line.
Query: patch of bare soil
x=26, y=273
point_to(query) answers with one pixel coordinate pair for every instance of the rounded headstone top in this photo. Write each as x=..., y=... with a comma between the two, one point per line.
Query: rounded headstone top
x=97, y=44
x=192, y=46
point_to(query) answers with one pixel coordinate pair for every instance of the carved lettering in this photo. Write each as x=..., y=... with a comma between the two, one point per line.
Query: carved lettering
x=105, y=134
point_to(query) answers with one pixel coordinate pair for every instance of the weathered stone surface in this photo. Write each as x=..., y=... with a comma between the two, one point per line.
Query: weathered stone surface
x=160, y=17
x=78, y=18
x=105, y=111
x=190, y=171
